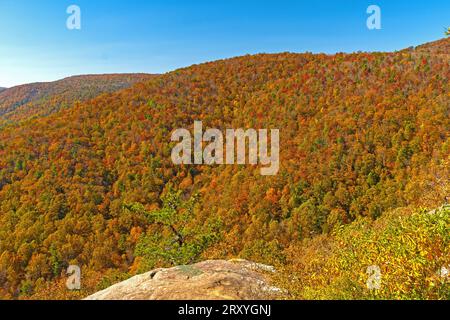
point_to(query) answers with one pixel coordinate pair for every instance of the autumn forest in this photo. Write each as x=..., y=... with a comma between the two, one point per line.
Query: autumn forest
x=86, y=176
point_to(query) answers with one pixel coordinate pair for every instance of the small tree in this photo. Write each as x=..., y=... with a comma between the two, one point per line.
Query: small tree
x=175, y=236
x=447, y=32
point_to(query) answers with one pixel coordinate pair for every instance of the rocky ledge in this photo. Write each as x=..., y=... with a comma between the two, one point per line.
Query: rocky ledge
x=208, y=280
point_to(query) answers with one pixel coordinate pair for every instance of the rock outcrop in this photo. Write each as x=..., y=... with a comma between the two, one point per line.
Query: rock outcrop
x=208, y=280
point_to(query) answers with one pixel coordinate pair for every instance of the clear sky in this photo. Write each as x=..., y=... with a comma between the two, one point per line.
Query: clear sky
x=156, y=36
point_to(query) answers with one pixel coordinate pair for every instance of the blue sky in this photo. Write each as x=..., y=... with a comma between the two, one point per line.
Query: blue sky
x=156, y=36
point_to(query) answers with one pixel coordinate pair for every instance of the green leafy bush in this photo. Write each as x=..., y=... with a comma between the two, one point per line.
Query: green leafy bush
x=410, y=250
x=174, y=236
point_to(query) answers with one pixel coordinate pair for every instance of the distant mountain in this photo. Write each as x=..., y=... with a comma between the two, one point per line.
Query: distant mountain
x=40, y=99
x=2, y=89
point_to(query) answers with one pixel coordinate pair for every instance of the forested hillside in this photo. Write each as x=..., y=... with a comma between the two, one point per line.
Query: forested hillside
x=94, y=185
x=40, y=99
x=411, y=248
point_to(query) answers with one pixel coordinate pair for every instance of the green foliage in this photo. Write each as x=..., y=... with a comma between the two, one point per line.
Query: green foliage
x=110, y=278
x=409, y=249
x=271, y=253
x=174, y=237
x=26, y=288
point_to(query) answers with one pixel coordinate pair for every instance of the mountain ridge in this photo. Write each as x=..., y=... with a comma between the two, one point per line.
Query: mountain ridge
x=32, y=100
x=33, y=90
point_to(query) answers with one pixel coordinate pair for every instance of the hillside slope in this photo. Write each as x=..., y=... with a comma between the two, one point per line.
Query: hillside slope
x=38, y=99
x=94, y=184
x=410, y=248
